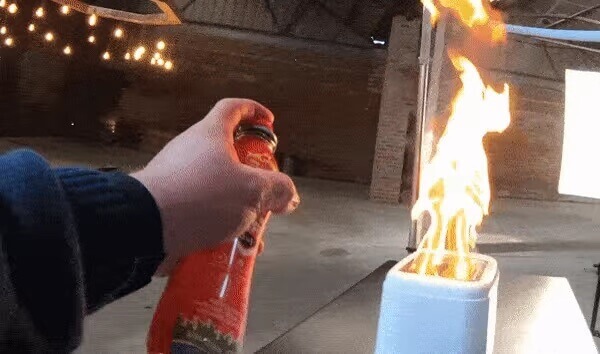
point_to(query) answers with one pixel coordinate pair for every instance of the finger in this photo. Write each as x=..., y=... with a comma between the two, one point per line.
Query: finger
x=228, y=113
x=271, y=191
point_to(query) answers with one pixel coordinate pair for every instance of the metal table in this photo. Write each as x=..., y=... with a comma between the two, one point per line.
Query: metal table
x=535, y=315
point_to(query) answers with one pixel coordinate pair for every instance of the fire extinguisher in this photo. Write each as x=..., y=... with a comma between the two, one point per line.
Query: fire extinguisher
x=204, y=307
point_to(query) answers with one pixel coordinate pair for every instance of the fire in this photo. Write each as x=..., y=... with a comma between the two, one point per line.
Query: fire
x=454, y=187
x=435, y=13
x=476, y=14
x=454, y=191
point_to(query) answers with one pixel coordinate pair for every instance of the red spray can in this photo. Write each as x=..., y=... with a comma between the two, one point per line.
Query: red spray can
x=204, y=307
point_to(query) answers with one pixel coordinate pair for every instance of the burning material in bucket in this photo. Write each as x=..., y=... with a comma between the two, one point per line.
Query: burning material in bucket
x=454, y=191
x=442, y=298
x=432, y=314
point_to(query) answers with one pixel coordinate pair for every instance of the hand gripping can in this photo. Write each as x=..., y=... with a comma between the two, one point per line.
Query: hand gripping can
x=204, y=306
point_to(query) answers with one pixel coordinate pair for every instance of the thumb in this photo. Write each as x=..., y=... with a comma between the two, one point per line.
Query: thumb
x=276, y=190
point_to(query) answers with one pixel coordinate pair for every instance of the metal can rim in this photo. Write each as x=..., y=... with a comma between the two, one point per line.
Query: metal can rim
x=257, y=130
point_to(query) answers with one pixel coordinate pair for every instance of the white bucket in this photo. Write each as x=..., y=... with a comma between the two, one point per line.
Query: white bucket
x=427, y=314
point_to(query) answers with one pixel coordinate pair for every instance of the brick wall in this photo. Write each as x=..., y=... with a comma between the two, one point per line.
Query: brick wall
x=525, y=160
x=325, y=97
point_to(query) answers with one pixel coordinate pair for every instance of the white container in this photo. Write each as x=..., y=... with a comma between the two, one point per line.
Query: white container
x=429, y=315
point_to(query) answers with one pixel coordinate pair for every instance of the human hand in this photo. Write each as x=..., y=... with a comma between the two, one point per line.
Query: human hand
x=204, y=194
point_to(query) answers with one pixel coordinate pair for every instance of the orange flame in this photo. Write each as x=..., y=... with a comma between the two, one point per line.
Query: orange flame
x=476, y=14
x=454, y=186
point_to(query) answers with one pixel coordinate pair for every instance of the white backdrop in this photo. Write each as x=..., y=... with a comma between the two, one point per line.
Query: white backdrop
x=580, y=169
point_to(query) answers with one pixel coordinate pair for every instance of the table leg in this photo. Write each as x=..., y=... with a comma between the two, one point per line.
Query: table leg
x=595, y=332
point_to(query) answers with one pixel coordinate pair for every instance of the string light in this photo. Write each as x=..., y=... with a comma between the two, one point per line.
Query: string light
x=112, y=125
x=93, y=20
x=136, y=53
x=139, y=53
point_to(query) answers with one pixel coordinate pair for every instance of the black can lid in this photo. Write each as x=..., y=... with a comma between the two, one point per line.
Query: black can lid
x=257, y=130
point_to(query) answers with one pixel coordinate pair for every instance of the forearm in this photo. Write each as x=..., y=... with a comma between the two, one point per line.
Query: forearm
x=40, y=274
x=71, y=241
x=120, y=232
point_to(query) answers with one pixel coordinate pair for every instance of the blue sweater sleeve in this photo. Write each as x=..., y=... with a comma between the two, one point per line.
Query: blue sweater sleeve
x=71, y=241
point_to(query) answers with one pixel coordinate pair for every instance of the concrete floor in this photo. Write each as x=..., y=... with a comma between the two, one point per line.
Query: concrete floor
x=336, y=238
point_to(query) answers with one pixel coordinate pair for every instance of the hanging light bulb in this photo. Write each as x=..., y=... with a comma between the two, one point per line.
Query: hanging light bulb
x=139, y=53
x=31, y=27
x=49, y=36
x=2, y=3
x=118, y=33
x=9, y=42
x=12, y=8
x=168, y=65
x=65, y=9
x=156, y=56
x=67, y=50
x=3, y=30
x=39, y=12
x=93, y=20
x=92, y=39
x=161, y=45
x=127, y=56
x=152, y=61
x=160, y=62
x=106, y=56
